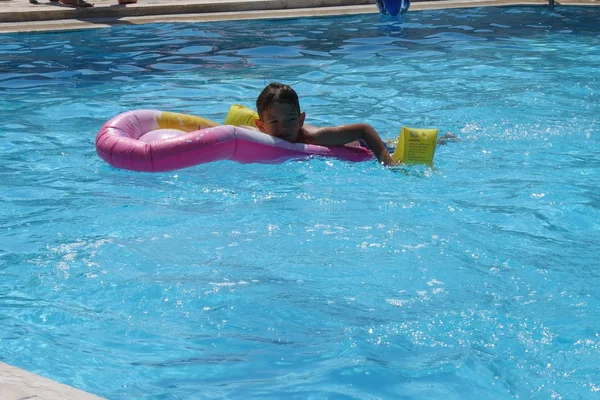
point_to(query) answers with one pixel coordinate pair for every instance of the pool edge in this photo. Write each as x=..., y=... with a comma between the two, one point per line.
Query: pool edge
x=18, y=384
x=226, y=12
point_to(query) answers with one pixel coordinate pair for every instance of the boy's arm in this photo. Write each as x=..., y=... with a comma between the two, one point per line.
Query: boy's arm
x=344, y=134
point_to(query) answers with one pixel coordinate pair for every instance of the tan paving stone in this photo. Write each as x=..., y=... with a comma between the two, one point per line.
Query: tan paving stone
x=17, y=384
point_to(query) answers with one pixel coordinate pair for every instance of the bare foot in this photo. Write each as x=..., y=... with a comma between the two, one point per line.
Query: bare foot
x=77, y=3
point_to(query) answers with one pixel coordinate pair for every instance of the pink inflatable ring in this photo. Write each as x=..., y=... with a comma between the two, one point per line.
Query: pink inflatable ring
x=157, y=141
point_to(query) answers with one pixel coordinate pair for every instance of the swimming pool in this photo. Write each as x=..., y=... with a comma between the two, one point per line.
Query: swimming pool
x=317, y=278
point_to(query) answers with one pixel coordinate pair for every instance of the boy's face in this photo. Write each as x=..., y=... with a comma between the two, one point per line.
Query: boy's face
x=281, y=120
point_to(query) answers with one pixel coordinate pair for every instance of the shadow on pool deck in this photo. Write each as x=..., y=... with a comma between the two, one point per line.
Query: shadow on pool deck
x=20, y=15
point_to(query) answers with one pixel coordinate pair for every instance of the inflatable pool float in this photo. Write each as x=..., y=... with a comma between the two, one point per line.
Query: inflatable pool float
x=393, y=7
x=158, y=141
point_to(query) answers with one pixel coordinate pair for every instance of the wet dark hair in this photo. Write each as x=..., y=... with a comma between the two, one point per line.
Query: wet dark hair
x=276, y=93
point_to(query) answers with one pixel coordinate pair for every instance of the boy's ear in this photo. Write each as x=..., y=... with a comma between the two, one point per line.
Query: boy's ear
x=259, y=125
x=302, y=116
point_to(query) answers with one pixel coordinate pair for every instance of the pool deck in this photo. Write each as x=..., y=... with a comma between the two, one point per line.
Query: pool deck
x=17, y=384
x=22, y=16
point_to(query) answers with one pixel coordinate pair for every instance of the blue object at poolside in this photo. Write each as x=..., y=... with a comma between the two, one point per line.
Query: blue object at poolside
x=393, y=7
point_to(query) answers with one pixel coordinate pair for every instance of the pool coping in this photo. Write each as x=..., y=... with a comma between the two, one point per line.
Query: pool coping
x=18, y=384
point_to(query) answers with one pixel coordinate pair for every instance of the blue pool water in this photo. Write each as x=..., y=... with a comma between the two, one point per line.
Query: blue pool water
x=317, y=278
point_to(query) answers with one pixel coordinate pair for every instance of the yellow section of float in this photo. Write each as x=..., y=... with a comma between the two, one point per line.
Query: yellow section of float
x=183, y=122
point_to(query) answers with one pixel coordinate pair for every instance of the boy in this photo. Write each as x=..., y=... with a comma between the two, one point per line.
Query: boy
x=279, y=115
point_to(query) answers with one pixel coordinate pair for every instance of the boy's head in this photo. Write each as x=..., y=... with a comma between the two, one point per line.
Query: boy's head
x=279, y=112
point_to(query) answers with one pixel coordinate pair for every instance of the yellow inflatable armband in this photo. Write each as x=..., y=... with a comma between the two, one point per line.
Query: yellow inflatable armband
x=241, y=115
x=183, y=122
x=416, y=146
